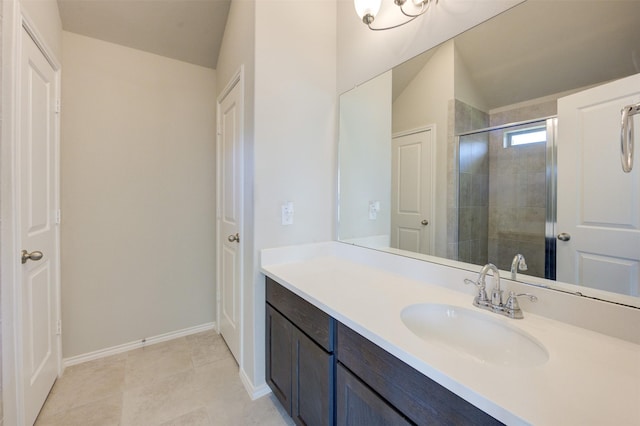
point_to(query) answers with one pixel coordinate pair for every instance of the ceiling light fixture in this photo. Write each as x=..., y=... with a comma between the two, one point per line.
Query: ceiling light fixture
x=368, y=9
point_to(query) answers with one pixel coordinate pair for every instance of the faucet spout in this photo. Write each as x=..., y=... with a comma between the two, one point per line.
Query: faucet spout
x=511, y=308
x=517, y=263
x=496, y=274
x=496, y=293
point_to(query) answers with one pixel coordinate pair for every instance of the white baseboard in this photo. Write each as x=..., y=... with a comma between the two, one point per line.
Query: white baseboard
x=253, y=391
x=79, y=359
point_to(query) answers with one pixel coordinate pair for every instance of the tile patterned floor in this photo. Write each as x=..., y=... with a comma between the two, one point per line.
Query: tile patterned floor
x=190, y=381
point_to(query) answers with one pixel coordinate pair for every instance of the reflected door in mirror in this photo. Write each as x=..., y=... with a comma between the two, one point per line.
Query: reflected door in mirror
x=598, y=204
x=411, y=192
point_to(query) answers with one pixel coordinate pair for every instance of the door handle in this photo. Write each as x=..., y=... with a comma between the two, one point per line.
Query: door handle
x=34, y=255
x=233, y=238
x=626, y=136
x=563, y=236
x=425, y=222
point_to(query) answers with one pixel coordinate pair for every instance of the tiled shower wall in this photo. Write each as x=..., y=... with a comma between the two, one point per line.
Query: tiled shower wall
x=517, y=194
x=468, y=182
x=517, y=204
x=473, y=199
x=497, y=206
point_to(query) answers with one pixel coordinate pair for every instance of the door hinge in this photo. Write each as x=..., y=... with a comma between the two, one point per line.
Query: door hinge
x=57, y=107
x=58, y=217
x=59, y=327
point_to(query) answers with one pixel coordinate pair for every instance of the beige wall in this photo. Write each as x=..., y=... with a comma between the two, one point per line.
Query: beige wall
x=295, y=133
x=138, y=195
x=46, y=18
x=289, y=65
x=365, y=135
x=424, y=102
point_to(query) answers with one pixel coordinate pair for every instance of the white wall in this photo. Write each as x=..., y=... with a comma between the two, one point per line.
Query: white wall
x=138, y=195
x=295, y=133
x=365, y=146
x=465, y=88
x=425, y=102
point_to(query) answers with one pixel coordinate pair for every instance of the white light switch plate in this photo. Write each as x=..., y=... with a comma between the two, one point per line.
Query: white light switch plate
x=287, y=213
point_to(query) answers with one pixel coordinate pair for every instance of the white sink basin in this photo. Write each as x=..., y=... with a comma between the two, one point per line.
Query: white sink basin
x=474, y=333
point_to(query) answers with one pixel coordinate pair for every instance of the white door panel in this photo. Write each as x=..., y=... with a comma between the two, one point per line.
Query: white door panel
x=231, y=187
x=604, y=247
x=411, y=192
x=38, y=175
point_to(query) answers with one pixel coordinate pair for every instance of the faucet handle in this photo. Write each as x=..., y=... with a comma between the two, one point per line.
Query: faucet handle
x=476, y=283
x=481, y=298
x=512, y=301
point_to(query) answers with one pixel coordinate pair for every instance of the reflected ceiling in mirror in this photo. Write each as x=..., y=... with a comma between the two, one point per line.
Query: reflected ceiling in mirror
x=512, y=68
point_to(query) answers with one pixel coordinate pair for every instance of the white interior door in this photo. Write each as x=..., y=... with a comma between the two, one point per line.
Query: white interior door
x=37, y=213
x=412, y=192
x=230, y=217
x=598, y=204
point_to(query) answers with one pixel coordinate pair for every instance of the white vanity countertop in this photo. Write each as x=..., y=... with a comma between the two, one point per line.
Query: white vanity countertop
x=589, y=379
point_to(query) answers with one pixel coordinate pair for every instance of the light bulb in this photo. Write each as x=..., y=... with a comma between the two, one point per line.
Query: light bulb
x=367, y=7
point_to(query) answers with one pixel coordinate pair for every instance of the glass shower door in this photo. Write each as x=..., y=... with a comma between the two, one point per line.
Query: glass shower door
x=506, y=196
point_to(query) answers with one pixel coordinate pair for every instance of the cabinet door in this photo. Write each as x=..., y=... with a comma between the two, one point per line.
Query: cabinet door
x=279, y=334
x=416, y=396
x=312, y=390
x=358, y=405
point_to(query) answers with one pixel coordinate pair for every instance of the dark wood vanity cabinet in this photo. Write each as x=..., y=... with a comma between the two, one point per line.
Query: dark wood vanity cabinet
x=420, y=400
x=360, y=384
x=357, y=404
x=300, y=363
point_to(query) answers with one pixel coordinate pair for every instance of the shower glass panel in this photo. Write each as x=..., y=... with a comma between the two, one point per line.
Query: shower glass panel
x=506, y=196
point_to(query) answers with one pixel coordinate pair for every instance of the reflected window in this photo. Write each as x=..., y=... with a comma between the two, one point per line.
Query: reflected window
x=525, y=136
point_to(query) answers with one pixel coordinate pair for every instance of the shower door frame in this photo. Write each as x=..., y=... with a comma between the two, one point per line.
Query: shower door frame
x=551, y=123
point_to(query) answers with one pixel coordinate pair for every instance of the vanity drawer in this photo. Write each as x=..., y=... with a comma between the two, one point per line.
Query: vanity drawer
x=312, y=321
x=413, y=394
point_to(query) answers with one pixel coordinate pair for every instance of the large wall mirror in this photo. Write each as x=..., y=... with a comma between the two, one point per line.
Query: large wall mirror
x=461, y=156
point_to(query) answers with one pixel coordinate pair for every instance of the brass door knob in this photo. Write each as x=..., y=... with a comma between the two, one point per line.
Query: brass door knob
x=233, y=238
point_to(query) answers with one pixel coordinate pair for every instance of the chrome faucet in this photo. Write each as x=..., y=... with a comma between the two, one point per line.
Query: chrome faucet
x=496, y=293
x=517, y=263
x=511, y=308
x=481, y=300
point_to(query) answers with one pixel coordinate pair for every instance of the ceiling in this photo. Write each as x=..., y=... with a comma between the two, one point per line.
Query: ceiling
x=186, y=30
x=539, y=48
